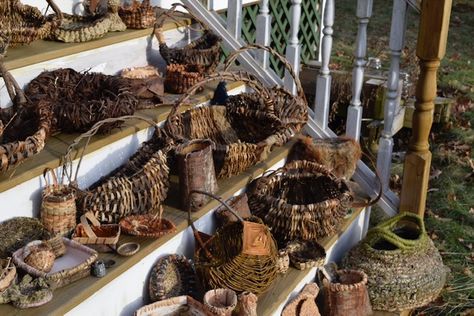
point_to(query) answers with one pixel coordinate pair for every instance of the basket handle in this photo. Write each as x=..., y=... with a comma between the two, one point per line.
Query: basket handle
x=67, y=158
x=56, y=10
x=88, y=216
x=53, y=176
x=245, y=77
x=233, y=56
x=14, y=91
x=160, y=19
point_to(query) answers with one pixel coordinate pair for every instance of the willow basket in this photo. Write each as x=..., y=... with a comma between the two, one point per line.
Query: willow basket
x=204, y=52
x=179, y=78
x=75, y=28
x=241, y=256
x=404, y=268
x=24, y=127
x=138, y=15
x=22, y=24
x=302, y=200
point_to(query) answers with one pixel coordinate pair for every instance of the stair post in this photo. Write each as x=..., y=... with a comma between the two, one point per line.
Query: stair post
x=323, y=83
x=431, y=48
x=264, y=27
x=234, y=18
x=293, y=47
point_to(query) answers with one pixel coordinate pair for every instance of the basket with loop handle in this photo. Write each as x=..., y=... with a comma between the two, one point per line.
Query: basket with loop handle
x=24, y=127
x=203, y=52
x=242, y=136
x=23, y=24
x=103, y=238
x=94, y=25
x=138, y=15
x=137, y=187
x=241, y=255
x=404, y=268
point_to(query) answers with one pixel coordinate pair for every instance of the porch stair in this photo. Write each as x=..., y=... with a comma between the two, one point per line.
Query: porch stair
x=124, y=288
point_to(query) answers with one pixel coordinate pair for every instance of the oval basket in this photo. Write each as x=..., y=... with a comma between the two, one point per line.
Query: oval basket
x=172, y=275
x=102, y=238
x=306, y=254
x=147, y=225
x=180, y=305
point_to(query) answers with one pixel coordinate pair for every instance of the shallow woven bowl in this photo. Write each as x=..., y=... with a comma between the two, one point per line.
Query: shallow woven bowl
x=128, y=249
x=146, y=225
x=306, y=254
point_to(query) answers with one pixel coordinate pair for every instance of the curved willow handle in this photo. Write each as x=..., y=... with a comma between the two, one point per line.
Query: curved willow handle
x=13, y=88
x=56, y=10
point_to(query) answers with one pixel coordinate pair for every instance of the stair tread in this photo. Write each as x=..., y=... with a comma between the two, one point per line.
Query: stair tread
x=44, y=50
x=56, y=145
x=73, y=294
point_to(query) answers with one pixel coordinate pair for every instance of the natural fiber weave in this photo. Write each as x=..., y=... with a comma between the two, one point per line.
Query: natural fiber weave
x=241, y=256
x=82, y=99
x=239, y=204
x=220, y=302
x=147, y=225
x=24, y=126
x=205, y=51
x=302, y=200
x=404, y=269
x=138, y=15
x=7, y=273
x=58, y=246
x=75, y=28
x=31, y=293
x=39, y=255
x=179, y=78
x=22, y=24
x=180, y=305
x=306, y=254
x=17, y=232
x=304, y=303
x=102, y=238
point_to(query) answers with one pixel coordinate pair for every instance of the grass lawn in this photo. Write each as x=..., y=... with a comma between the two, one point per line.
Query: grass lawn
x=450, y=206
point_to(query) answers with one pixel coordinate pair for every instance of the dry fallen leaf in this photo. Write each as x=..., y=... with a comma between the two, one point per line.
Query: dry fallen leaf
x=467, y=271
x=435, y=174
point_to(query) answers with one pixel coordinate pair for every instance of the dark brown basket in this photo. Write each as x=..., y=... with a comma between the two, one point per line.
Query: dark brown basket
x=137, y=187
x=23, y=127
x=205, y=51
x=138, y=15
x=241, y=256
x=239, y=204
x=306, y=254
x=23, y=24
x=179, y=78
x=302, y=200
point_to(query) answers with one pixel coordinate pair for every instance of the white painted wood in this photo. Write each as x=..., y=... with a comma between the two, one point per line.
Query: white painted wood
x=323, y=82
x=354, y=112
x=234, y=18
x=293, y=47
x=263, y=36
x=392, y=101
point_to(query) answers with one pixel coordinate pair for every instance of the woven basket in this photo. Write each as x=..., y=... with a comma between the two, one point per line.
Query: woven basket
x=239, y=204
x=146, y=225
x=172, y=275
x=31, y=293
x=82, y=99
x=39, y=255
x=102, y=238
x=23, y=24
x=7, y=273
x=58, y=207
x=338, y=154
x=347, y=294
x=205, y=51
x=138, y=15
x=242, y=136
x=302, y=200
x=76, y=28
x=137, y=187
x=58, y=246
x=15, y=233
x=65, y=276
x=220, y=302
x=23, y=127
x=404, y=268
x=179, y=78
x=241, y=256
x=180, y=305
x=306, y=254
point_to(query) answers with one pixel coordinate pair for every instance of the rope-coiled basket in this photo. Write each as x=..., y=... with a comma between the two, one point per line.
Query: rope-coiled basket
x=404, y=268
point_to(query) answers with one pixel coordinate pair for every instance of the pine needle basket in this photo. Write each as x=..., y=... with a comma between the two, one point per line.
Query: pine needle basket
x=17, y=232
x=103, y=238
x=137, y=187
x=24, y=127
x=241, y=256
x=77, y=29
x=302, y=200
x=82, y=99
x=204, y=52
x=138, y=15
x=404, y=268
x=23, y=24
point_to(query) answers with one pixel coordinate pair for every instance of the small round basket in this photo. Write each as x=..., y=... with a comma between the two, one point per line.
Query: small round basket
x=172, y=275
x=306, y=254
x=138, y=15
x=39, y=255
x=146, y=225
x=7, y=273
x=220, y=302
x=128, y=249
x=179, y=78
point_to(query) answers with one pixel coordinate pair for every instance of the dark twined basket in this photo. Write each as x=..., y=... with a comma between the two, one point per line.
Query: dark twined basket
x=82, y=99
x=24, y=127
x=23, y=24
x=241, y=255
x=137, y=187
x=179, y=78
x=204, y=51
x=138, y=15
x=302, y=200
x=93, y=25
x=404, y=268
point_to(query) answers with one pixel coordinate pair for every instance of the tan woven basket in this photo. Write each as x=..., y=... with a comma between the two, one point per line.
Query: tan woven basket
x=138, y=16
x=179, y=305
x=39, y=255
x=58, y=207
x=220, y=302
x=103, y=238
